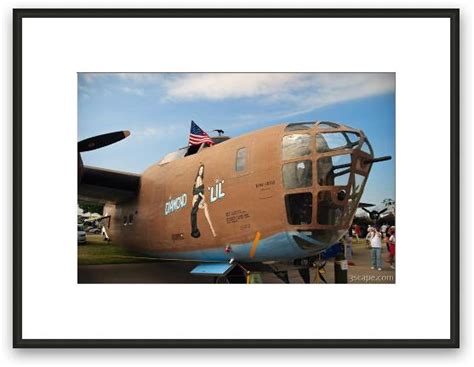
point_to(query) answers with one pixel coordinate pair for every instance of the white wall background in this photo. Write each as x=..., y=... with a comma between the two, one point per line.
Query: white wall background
x=8, y=356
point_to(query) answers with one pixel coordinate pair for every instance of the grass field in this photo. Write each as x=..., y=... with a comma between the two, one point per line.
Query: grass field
x=99, y=252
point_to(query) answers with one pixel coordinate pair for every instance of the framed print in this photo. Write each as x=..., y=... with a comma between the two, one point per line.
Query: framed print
x=239, y=178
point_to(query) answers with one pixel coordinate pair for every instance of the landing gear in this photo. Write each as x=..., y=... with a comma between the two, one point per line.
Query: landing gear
x=304, y=269
x=283, y=276
x=235, y=276
x=251, y=273
x=304, y=274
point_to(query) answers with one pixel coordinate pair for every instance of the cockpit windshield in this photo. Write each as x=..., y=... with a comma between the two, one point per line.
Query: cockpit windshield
x=334, y=170
x=327, y=125
x=296, y=145
x=366, y=148
x=299, y=126
x=173, y=156
x=326, y=142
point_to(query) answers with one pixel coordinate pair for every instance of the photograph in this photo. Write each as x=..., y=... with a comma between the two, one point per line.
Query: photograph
x=233, y=180
x=236, y=177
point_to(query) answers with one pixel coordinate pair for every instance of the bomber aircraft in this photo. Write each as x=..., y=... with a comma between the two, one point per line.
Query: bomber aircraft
x=263, y=201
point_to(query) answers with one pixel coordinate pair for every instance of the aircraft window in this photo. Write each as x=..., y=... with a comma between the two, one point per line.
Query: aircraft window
x=327, y=125
x=359, y=181
x=329, y=212
x=130, y=219
x=296, y=145
x=353, y=137
x=334, y=170
x=299, y=208
x=326, y=142
x=125, y=220
x=356, y=193
x=299, y=126
x=240, y=159
x=367, y=148
x=173, y=156
x=297, y=174
x=342, y=179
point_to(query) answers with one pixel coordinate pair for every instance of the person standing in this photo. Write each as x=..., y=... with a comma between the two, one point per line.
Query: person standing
x=383, y=229
x=368, y=236
x=347, y=239
x=105, y=236
x=376, y=248
x=357, y=231
x=391, y=243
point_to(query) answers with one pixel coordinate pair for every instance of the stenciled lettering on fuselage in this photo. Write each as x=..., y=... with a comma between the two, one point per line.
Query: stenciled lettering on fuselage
x=217, y=191
x=175, y=204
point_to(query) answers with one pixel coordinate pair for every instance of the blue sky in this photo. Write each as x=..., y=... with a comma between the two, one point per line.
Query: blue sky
x=157, y=108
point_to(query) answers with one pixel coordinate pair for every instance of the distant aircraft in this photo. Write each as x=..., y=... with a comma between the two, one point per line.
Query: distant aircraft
x=374, y=216
x=262, y=201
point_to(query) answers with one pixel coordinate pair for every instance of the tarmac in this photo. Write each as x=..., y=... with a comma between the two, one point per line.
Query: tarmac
x=179, y=272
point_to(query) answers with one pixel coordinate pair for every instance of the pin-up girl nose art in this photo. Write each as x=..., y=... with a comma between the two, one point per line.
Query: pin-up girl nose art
x=199, y=202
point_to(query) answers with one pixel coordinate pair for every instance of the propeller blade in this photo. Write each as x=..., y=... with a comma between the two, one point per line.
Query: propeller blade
x=365, y=210
x=383, y=211
x=365, y=205
x=100, y=141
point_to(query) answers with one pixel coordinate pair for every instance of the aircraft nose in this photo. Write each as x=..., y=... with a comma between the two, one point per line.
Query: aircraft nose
x=323, y=183
x=318, y=239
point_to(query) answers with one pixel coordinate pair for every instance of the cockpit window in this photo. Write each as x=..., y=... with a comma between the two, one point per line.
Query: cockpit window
x=170, y=157
x=329, y=212
x=327, y=125
x=355, y=194
x=326, y=142
x=299, y=208
x=359, y=181
x=299, y=126
x=295, y=145
x=297, y=174
x=366, y=148
x=353, y=137
x=334, y=170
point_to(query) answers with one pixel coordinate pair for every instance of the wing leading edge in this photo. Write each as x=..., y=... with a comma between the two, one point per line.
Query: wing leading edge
x=103, y=185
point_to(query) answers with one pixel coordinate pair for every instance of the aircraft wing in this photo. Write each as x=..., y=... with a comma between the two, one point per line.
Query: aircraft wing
x=103, y=185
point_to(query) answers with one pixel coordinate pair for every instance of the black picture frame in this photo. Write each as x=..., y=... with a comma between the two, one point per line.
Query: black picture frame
x=20, y=342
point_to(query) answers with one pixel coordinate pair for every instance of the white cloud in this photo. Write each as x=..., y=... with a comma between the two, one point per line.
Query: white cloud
x=292, y=92
x=217, y=86
x=142, y=78
x=164, y=131
x=135, y=91
x=147, y=132
x=92, y=77
x=340, y=87
x=302, y=90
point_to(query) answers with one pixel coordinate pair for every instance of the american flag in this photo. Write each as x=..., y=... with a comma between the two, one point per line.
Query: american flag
x=197, y=136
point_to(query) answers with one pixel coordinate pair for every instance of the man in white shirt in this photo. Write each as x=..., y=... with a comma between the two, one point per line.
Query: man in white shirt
x=376, y=248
